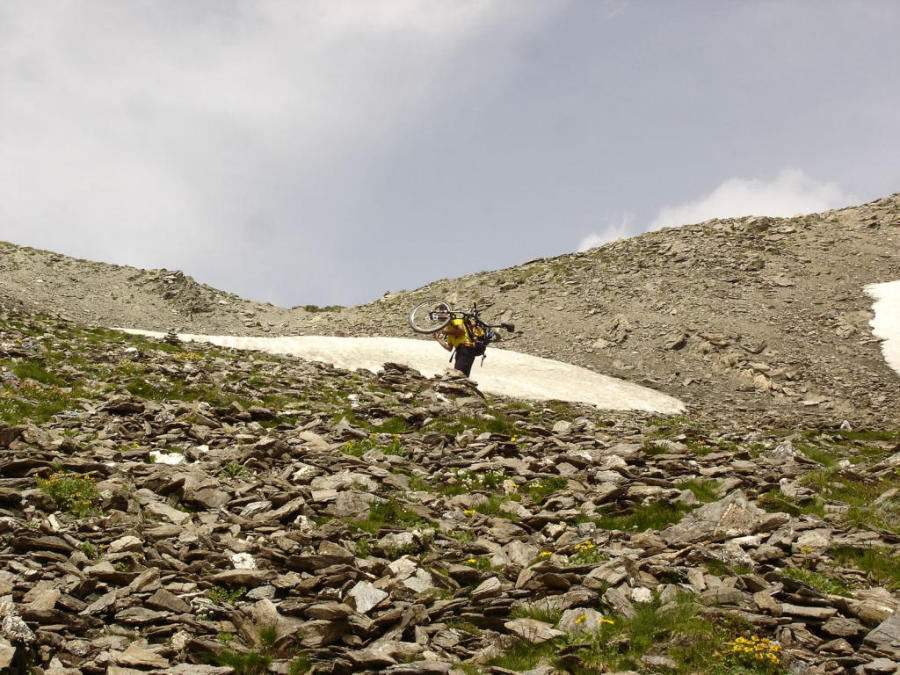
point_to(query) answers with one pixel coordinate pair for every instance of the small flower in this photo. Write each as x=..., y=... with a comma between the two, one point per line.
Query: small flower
x=471, y=561
x=469, y=512
x=581, y=619
x=605, y=620
x=546, y=554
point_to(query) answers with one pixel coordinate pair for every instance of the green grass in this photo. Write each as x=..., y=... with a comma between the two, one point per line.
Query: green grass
x=695, y=643
x=494, y=422
x=816, y=454
x=364, y=546
x=419, y=484
x=869, y=435
x=179, y=390
x=392, y=425
x=243, y=663
x=551, y=616
x=881, y=564
x=358, y=448
x=387, y=512
x=655, y=516
x=720, y=569
x=35, y=405
x=233, y=470
x=823, y=582
x=542, y=488
x=225, y=596
x=300, y=665
x=588, y=553
x=268, y=635
x=482, y=563
x=525, y=655
x=395, y=447
x=465, y=482
x=493, y=507
x=704, y=490
x=775, y=501
x=76, y=494
x=35, y=371
x=859, y=494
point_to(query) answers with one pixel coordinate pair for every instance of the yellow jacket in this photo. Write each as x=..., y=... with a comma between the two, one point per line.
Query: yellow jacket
x=454, y=334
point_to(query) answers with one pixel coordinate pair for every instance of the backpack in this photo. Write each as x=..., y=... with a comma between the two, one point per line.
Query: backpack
x=483, y=340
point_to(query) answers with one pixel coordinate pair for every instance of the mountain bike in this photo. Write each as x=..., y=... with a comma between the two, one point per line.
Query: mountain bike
x=433, y=314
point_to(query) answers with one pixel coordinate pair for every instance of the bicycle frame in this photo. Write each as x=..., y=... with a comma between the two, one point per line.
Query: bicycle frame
x=440, y=313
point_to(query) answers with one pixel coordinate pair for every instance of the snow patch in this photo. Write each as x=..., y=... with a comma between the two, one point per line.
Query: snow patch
x=886, y=324
x=171, y=458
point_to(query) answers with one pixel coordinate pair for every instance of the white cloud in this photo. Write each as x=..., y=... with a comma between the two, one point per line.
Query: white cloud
x=622, y=229
x=792, y=192
x=161, y=133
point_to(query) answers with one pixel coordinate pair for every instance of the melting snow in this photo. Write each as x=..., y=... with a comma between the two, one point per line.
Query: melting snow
x=886, y=324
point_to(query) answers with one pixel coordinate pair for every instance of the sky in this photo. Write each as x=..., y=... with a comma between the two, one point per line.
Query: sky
x=331, y=151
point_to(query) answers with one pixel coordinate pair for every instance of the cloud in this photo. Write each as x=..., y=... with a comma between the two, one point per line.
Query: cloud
x=622, y=229
x=792, y=192
x=164, y=133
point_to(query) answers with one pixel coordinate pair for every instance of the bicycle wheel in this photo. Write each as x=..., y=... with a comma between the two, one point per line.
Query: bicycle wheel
x=429, y=315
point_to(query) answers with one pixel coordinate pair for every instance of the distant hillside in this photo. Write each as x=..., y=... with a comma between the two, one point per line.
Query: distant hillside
x=743, y=318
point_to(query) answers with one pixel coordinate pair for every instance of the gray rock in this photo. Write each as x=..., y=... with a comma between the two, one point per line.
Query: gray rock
x=619, y=603
x=487, y=589
x=808, y=611
x=532, y=630
x=7, y=652
x=583, y=620
x=886, y=637
x=364, y=597
x=733, y=516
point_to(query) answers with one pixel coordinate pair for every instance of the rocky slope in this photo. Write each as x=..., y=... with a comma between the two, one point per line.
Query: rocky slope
x=755, y=320
x=169, y=508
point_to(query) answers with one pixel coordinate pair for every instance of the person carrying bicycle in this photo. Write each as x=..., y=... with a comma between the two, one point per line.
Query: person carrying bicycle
x=465, y=336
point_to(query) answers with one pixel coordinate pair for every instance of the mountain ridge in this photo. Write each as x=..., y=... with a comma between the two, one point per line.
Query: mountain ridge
x=764, y=316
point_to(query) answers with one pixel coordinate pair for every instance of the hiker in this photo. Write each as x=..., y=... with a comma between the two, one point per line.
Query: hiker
x=465, y=336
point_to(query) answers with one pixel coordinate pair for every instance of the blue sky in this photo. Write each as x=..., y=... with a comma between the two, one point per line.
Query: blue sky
x=327, y=152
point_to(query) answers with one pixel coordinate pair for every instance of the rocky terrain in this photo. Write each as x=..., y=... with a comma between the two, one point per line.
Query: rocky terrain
x=179, y=508
x=755, y=320
x=759, y=318
x=173, y=508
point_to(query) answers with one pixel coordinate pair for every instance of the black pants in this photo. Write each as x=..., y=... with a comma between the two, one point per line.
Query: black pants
x=465, y=357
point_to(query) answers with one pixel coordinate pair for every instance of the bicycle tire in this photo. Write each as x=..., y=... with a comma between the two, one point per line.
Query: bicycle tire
x=422, y=318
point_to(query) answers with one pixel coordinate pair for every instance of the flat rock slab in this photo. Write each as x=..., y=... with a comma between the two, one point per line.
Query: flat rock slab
x=532, y=630
x=731, y=517
x=886, y=637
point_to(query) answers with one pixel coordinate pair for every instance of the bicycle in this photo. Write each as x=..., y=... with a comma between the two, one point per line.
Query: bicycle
x=433, y=314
